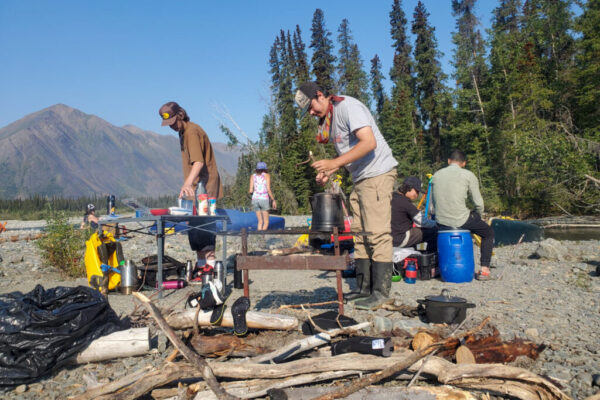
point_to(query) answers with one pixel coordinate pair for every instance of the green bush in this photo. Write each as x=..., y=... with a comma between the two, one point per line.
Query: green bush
x=64, y=245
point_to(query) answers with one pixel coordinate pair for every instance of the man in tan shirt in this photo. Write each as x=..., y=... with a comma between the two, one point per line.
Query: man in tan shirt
x=199, y=171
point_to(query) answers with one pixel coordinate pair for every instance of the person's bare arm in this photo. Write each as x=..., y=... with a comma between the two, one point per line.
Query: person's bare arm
x=366, y=144
x=188, y=185
x=251, y=189
x=274, y=203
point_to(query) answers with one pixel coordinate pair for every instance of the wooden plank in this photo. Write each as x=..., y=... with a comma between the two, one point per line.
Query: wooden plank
x=318, y=262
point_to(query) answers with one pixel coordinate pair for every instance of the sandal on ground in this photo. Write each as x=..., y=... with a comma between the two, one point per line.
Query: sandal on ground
x=238, y=312
x=484, y=276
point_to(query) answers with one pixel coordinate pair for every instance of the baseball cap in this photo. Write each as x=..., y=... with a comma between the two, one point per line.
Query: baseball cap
x=413, y=182
x=90, y=207
x=261, y=165
x=168, y=113
x=305, y=93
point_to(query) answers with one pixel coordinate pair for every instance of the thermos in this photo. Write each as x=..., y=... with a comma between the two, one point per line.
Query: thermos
x=129, y=280
x=189, y=270
x=238, y=281
x=207, y=272
x=174, y=284
x=220, y=274
x=110, y=204
x=411, y=272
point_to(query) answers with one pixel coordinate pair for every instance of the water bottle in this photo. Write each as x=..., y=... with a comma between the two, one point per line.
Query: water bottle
x=110, y=204
x=238, y=280
x=174, y=284
x=411, y=272
x=207, y=272
x=189, y=270
x=220, y=274
x=201, y=199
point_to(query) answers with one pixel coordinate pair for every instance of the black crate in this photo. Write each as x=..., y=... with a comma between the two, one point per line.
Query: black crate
x=427, y=266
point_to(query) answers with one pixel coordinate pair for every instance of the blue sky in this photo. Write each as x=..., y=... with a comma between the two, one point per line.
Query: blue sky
x=121, y=60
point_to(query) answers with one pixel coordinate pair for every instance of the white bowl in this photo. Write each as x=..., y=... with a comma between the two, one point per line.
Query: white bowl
x=178, y=211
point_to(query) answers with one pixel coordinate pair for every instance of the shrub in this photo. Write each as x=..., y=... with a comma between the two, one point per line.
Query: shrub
x=64, y=245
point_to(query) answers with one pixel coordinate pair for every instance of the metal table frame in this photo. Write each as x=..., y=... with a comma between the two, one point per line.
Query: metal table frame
x=336, y=262
x=199, y=221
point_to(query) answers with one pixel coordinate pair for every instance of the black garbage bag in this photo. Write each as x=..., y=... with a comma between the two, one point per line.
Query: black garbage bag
x=41, y=330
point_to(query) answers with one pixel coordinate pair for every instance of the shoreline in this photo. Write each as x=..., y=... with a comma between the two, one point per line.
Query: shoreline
x=549, y=293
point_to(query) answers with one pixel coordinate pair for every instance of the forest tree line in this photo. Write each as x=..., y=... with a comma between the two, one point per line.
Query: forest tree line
x=524, y=107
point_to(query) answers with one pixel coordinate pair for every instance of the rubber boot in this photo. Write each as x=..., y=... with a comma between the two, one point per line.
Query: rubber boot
x=381, y=273
x=363, y=280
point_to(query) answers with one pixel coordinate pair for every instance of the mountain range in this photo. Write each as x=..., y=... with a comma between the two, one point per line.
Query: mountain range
x=61, y=151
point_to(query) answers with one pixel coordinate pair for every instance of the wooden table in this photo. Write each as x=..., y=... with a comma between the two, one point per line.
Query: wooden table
x=337, y=262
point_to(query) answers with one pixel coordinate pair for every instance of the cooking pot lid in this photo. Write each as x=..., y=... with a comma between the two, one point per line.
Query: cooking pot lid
x=446, y=298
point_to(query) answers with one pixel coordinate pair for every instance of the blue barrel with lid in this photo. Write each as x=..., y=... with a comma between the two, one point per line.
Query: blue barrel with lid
x=455, y=256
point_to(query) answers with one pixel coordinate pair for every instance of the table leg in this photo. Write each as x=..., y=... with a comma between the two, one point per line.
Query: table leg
x=338, y=277
x=160, y=247
x=338, y=274
x=245, y=271
x=224, y=243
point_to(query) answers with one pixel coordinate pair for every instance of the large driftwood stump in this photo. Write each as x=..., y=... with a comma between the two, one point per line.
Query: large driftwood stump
x=254, y=319
x=128, y=343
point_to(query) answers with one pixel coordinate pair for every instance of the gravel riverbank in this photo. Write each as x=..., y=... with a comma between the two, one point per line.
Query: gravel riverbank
x=548, y=292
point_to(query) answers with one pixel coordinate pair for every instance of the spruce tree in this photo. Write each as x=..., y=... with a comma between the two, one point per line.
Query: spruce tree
x=352, y=79
x=400, y=125
x=323, y=61
x=588, y=70
x=431, y=93
x=470, y=127
x=377, y=90
x=301, y=73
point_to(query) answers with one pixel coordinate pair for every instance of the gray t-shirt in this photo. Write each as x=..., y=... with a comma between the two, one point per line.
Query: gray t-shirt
x=350, y=115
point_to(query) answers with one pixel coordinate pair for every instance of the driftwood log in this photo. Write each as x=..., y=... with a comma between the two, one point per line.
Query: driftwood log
x=487, y=349
x=302, y=345
x=128, y=343
x=254, y=319
x=198, y=362
x=250, y=389
x=390, y=392
x=219, y=345
x=517, y=382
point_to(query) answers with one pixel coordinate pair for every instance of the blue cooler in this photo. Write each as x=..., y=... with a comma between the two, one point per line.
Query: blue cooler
x=455, y=256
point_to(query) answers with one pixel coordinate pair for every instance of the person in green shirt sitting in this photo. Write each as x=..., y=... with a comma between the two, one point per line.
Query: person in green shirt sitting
x=451, y=186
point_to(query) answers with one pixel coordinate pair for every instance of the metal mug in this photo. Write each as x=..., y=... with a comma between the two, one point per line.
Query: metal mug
x=129, y=279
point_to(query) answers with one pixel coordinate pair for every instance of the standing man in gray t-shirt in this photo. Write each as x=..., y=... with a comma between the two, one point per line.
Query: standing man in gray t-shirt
x=361, y=148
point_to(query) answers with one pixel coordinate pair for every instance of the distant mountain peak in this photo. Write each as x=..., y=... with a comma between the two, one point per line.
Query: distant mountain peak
x=62, y=151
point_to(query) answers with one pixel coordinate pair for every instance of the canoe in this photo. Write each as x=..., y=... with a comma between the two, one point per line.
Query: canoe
x=239, y=219
x=509, y=231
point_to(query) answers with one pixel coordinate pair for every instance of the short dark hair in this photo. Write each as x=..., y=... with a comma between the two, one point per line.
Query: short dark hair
x=458, y=155
x=405, y=188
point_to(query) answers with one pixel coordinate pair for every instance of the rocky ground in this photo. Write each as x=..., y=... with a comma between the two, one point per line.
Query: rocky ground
x=547, y=292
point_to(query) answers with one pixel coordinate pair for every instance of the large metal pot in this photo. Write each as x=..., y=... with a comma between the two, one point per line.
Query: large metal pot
x=444, y=309
x=327, y=212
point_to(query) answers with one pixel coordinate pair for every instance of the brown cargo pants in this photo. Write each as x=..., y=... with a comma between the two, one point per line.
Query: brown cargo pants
x=371, y=204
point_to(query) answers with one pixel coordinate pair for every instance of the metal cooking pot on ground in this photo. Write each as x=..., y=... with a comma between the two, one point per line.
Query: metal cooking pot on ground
x=444, y=309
